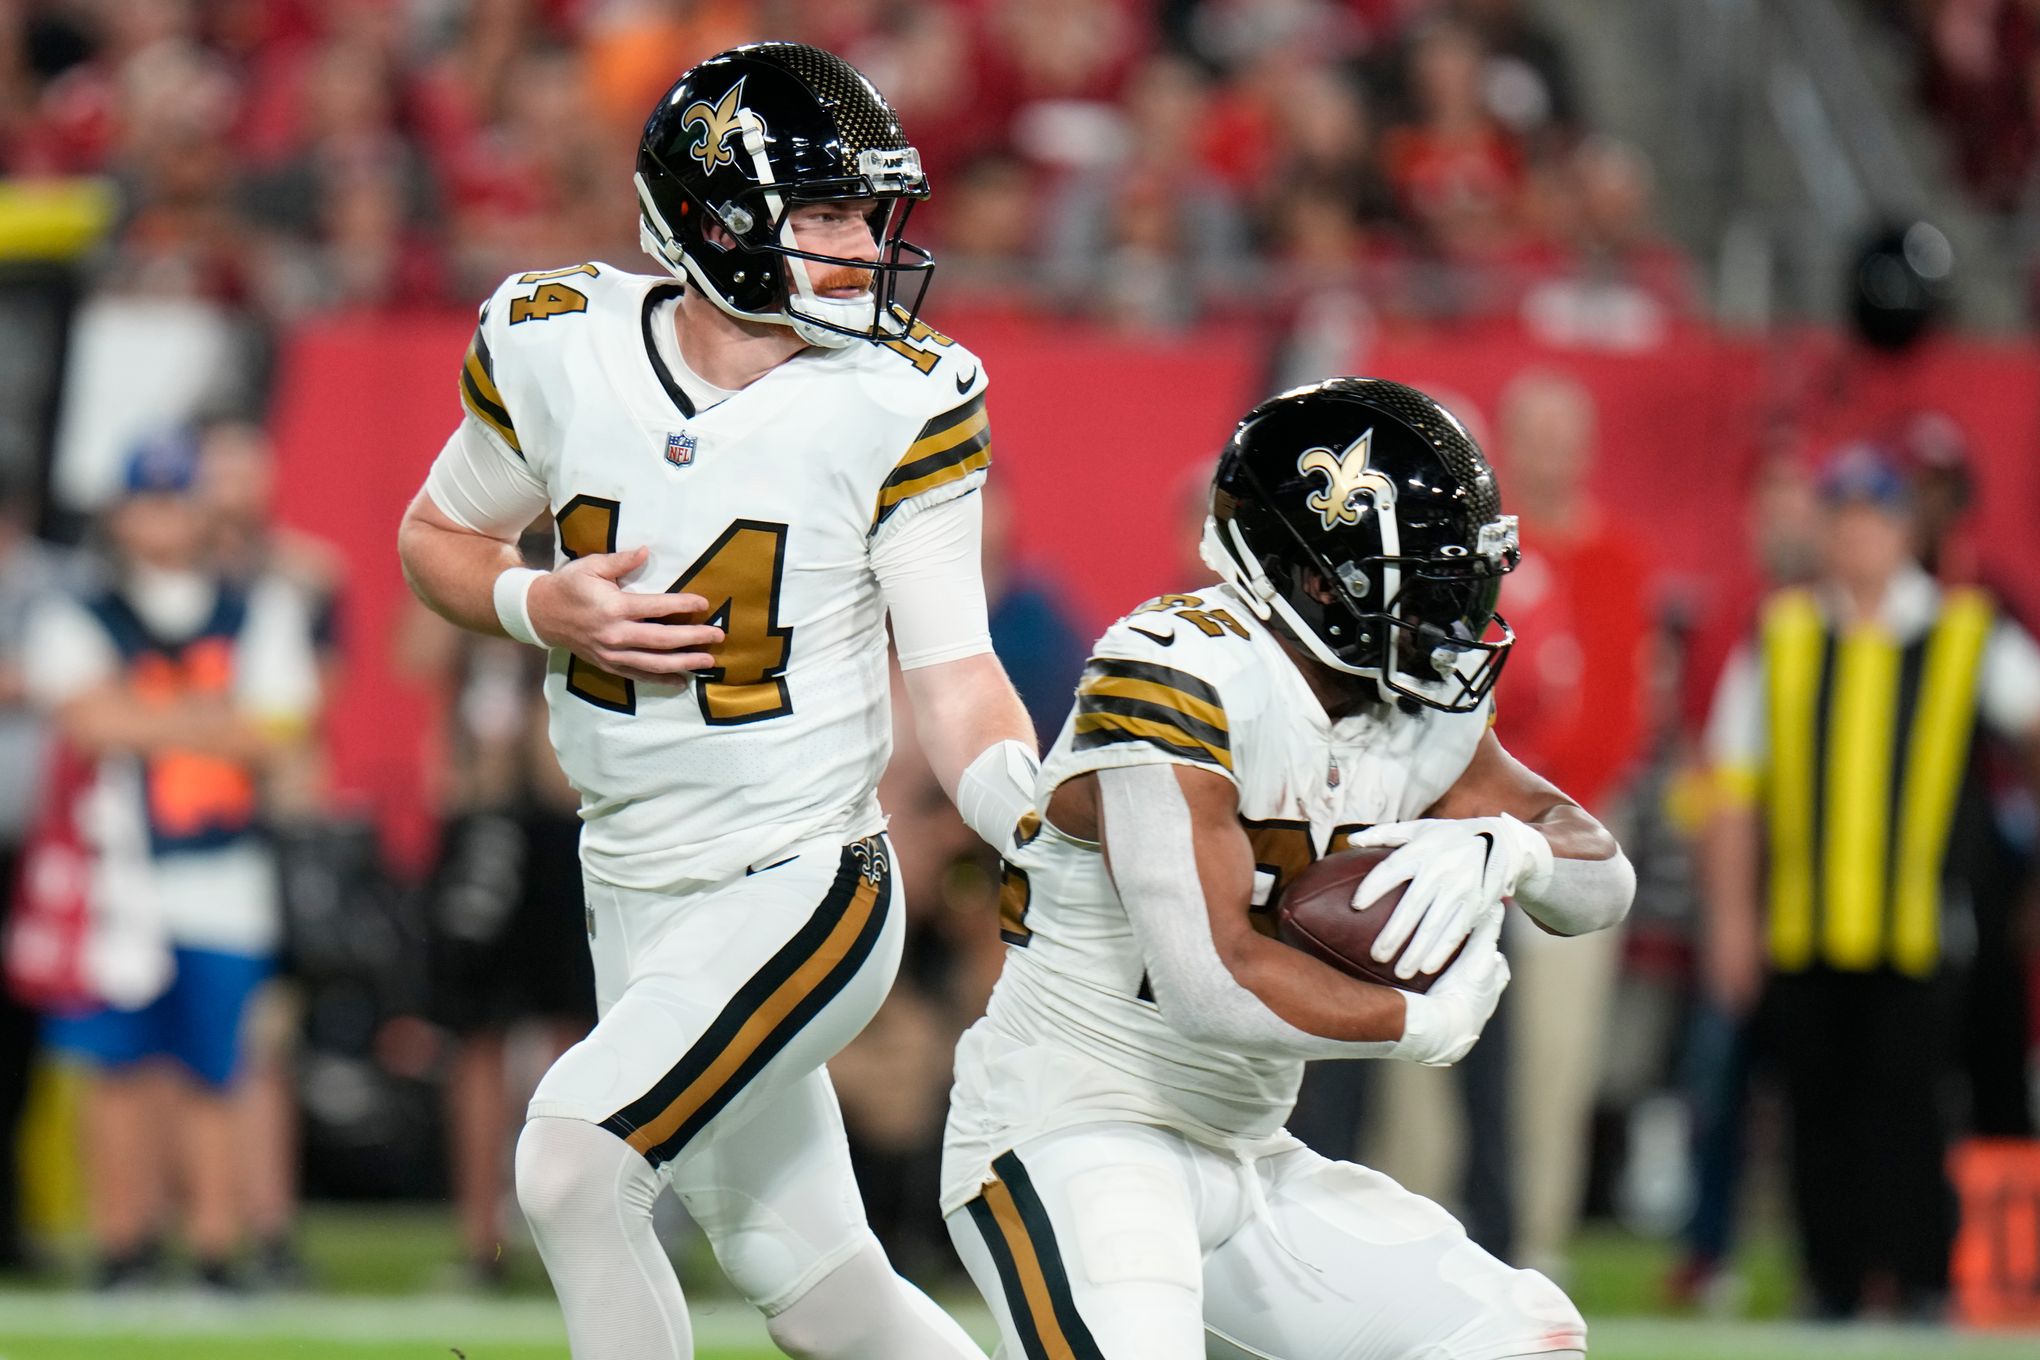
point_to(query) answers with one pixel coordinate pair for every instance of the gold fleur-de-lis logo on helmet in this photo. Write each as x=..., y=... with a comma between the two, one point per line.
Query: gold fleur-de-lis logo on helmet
x=1346, y=476
x=718, y=124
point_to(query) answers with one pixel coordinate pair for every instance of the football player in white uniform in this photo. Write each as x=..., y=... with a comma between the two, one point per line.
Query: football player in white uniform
x=1115, y=1174
x=750, y=470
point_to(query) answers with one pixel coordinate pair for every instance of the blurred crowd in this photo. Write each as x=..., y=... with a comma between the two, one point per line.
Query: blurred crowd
x=1149, y=164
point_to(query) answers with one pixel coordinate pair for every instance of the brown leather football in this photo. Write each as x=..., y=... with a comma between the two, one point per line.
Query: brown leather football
x=1316, y=915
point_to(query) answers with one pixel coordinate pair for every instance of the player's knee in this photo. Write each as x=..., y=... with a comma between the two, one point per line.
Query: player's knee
x=831, y=1316
x=568, y=1168
x=862, y=1310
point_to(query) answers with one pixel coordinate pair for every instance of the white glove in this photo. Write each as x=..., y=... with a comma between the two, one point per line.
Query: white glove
x=1441, y=1025
x=1456, y=869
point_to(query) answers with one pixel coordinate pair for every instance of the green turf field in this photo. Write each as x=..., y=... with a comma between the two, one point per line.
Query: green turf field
x=44, y=1326
x=386, y=1295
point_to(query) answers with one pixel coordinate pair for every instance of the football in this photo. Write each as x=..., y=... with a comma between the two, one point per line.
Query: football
x=1316, y=915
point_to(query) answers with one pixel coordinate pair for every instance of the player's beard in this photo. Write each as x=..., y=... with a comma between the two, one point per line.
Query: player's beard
x=822, y=278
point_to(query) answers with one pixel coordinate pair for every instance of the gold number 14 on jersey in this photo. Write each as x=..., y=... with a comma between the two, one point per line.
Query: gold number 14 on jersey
x=740, y=575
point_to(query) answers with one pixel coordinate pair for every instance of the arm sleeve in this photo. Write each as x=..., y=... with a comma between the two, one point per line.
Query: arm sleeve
x=482, y=485
x=1581, y=896
x=1735, y=735
x=930, y=571
x=1154, y=868
x=2009, y=689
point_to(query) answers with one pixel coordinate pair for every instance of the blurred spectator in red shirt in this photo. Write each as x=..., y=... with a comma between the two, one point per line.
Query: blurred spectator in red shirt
x=1527, y=81
x=183, y=236
x=1579, y=602
x=549, y=185
x=1618, y=283
x=1324, y=144
x=988, y=234
x=348, y=208
x=925, y=60
x=1149, y=240
x=1456, y=170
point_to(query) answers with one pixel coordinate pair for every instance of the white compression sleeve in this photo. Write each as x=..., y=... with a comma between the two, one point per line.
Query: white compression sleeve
x=1580, y=896
x=482, y=485
x=588, y=1197
x=930, y=571
x=1154, y=867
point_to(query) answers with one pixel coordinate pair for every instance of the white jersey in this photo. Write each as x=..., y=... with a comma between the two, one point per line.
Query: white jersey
x=1193, y=680
x=768, y=504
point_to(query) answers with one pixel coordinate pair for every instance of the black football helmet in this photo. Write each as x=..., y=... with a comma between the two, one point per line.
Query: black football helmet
x=1359, y=517
x=744, y=138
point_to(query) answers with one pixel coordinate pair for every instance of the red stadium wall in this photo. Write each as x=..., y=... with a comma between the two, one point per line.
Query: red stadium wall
x=1098, y=437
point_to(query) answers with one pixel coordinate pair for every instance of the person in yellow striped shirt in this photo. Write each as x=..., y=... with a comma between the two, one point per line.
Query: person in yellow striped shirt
x=1842, y=736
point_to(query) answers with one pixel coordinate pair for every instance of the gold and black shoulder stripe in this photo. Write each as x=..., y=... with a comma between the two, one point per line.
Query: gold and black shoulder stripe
x=949, y=448
x=478, y=390
x=1010, y=1217
x=1137, y=701
x=772, y=1006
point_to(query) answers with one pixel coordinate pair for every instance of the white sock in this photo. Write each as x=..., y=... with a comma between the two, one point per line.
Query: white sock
x=861, y=1310
x=588, y=1197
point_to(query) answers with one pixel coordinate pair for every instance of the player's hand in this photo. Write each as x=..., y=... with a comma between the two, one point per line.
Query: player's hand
x=1456, y=870
x=582, y=608
x=1440, y=1026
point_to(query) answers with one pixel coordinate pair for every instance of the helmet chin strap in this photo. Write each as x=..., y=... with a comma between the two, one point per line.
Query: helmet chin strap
x=1237, y=568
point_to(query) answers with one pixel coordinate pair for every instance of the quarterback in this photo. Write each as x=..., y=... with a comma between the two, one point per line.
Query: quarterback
x=750, y=470
x=1115, y=1174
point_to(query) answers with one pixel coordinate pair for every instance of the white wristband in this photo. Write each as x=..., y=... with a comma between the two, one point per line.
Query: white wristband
x=513, y=604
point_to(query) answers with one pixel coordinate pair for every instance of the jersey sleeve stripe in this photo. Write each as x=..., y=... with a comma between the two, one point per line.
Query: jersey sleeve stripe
x=948, y=428
x=1161, y=675
x=1146, y=711
x=952, y=466
x=1102, y=689
x=771, y=1007
x=948, y=437
x=950, y=447
x=1094, y=730
x=961, y=451
x=478, y=392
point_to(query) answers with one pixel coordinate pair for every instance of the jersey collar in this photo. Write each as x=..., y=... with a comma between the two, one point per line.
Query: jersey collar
x=655, y=295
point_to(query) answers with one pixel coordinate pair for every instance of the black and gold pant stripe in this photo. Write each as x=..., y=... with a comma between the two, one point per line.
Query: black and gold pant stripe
x=1015, y=1227
x=1137, y=701
x=767, y=1011
x=478, y=390
x=949, y=448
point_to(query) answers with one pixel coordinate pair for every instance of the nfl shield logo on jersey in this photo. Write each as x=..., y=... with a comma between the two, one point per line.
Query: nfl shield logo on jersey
x=680, y=449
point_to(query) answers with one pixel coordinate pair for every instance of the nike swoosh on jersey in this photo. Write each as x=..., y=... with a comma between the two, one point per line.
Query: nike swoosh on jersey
x=1165, y=639
x=963, y=383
